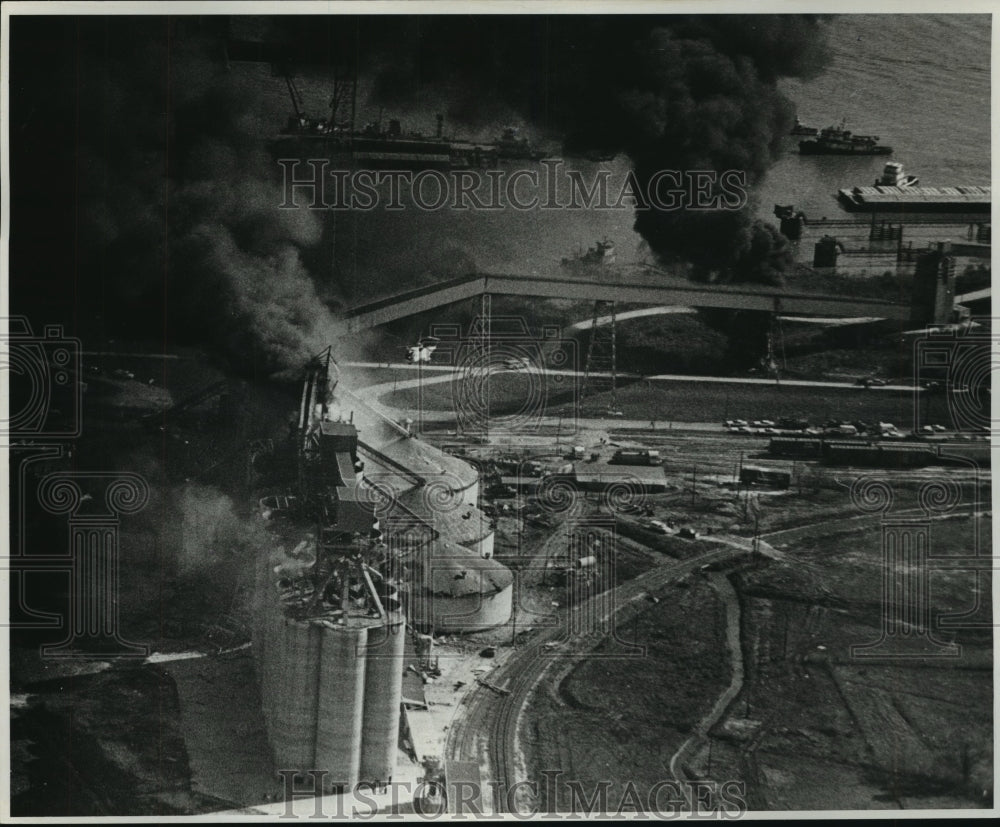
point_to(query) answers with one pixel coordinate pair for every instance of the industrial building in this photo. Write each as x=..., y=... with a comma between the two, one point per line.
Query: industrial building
x=776, y=478
x=604, y=476
x=374, y=531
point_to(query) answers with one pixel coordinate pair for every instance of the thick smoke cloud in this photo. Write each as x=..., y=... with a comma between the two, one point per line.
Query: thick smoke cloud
x=681, y=93
x=675, y=92
x=146, y=201
x=176, y=235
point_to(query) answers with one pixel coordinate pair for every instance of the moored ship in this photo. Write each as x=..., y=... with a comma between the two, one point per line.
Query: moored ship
x=603, y=254
x=510, y=147
x=376, y=146
x=801, y=129
x=836, y=140
x=879, y=198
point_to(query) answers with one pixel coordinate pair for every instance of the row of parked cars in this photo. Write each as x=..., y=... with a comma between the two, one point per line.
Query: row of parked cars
x=754, y=426
x=833, y=427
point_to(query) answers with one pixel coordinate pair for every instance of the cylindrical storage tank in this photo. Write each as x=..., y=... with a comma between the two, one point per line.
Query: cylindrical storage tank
x=383, y=697
x=453, y=589
x=260, y=615
x=271, y=654
x=466, y=525
x=472, y=612
x=341, y=704
x=471, y=493
x=293, y=733
x=485, y=546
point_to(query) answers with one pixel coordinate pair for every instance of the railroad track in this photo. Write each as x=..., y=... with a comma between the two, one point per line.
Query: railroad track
x=498, y=715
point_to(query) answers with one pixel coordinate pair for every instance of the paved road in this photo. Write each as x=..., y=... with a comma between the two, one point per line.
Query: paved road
x=385, y=387
x=372, y=394
x=664, y=310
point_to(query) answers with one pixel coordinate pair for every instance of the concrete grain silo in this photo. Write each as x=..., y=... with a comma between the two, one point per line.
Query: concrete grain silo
x=329, y=641
x=382, y=698
x=295, y=708
x=329, y=638
x=341, y=699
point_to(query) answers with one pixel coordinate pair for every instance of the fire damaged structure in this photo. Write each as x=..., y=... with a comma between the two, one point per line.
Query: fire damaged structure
x=370, y=539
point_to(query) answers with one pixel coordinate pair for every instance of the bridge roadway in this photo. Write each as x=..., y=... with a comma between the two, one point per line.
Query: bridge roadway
x=644, y=287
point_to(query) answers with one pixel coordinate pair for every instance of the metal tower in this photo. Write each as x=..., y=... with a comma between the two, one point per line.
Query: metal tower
x=601, y=369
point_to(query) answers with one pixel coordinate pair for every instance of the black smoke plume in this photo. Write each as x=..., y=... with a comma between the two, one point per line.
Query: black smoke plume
x=174, y=234
x=673, y=92
x=145, y=203
x=687, y=93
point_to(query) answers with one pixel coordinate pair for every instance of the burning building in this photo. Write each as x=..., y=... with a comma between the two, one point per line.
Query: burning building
x=374, y=531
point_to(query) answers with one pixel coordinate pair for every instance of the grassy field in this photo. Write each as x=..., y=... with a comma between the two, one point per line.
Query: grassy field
x=619, y=721
x=682, y=400
x=834, y=730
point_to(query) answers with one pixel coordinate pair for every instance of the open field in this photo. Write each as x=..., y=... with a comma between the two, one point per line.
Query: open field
x=684, y=401
x=818, y=726
x=613, y=719
x=814, y=726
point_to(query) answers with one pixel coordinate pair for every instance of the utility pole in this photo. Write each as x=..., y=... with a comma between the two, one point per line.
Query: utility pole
x=486, y=325
x=739, y=478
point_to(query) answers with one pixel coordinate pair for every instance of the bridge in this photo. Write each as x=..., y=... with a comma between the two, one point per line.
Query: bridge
x=646, y=287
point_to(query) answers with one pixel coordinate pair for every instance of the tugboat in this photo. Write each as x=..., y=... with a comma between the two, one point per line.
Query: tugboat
x=600, y=255
x=510, y=147
x=893, y=176
x=801, y=129
x=836, y=140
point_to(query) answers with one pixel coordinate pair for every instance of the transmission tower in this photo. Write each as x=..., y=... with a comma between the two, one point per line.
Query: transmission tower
x=600, y=372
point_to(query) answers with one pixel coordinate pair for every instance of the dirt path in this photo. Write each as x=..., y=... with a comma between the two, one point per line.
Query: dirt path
x=728, y=595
